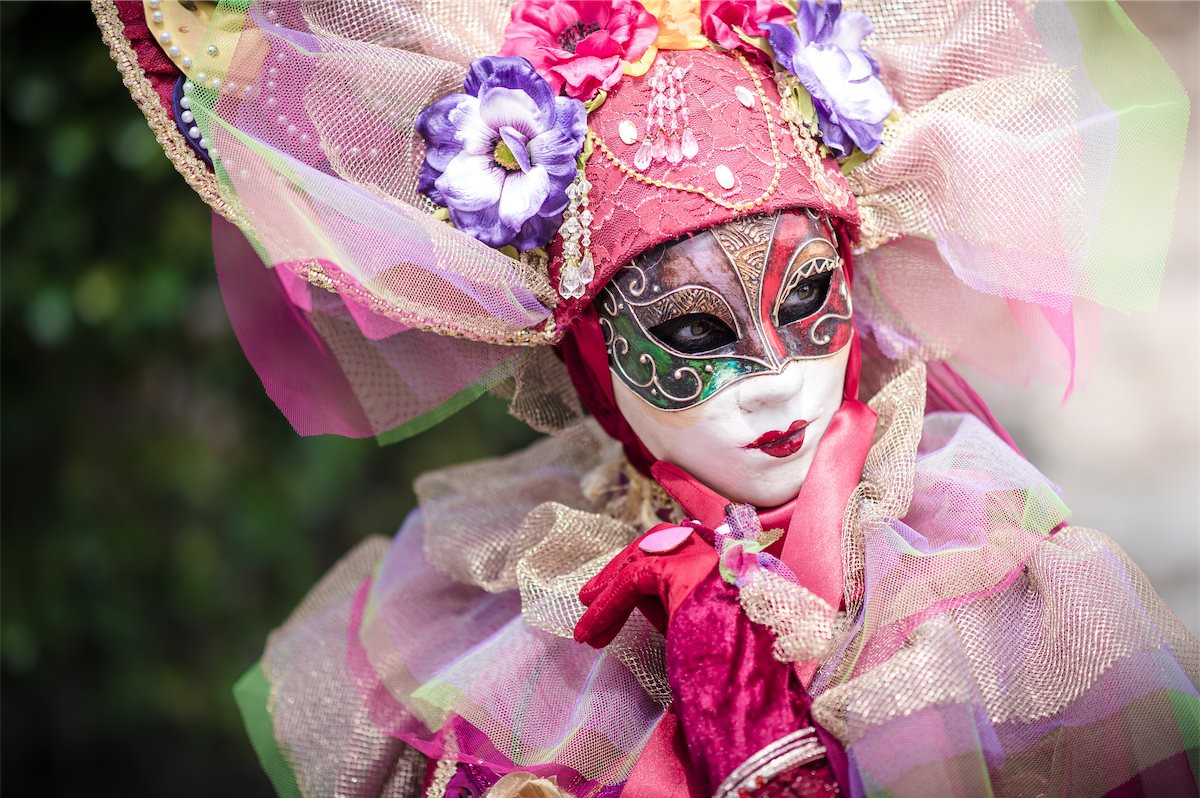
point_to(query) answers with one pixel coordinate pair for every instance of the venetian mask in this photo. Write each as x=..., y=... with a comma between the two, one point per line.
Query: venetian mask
x=728, y=351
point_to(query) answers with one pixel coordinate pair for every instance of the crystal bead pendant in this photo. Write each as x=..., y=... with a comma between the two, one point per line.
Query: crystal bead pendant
x=667, y=133
x=578, y=269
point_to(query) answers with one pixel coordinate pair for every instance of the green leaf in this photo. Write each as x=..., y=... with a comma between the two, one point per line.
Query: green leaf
x=595, y=102
x=853, y=161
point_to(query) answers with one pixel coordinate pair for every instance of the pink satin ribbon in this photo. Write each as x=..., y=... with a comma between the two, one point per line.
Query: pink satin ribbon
x=812, y=547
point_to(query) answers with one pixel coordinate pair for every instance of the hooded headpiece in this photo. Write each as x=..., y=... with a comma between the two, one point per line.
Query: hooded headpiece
x=981, y=188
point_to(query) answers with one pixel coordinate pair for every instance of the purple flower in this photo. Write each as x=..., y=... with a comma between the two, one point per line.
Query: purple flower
x=500, y=156
x=825, y=53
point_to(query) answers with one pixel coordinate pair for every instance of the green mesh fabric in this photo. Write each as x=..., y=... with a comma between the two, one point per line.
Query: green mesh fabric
x=1152, y=109
x=252, y=693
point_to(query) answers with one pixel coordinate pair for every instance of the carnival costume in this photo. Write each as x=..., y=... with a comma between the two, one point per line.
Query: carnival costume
x=457, y=198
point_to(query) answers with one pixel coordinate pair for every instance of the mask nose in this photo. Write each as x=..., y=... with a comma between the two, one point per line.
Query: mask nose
x=773, y=389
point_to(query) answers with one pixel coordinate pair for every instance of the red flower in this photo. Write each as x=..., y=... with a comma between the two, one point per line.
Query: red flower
x=722, y=16
x=579, y=44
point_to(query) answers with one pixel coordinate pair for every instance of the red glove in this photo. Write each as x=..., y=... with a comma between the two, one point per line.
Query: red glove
x=655, y=583
x=732, y=697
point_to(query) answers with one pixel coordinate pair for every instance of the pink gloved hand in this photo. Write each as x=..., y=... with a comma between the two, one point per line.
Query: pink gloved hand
x=651, y=575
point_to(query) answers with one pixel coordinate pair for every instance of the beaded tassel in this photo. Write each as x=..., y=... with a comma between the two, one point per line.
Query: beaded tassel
x=668, y=134
x=832, y=189
x=578, y=269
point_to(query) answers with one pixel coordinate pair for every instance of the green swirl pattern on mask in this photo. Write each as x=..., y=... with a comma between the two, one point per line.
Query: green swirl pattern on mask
x=650, y=370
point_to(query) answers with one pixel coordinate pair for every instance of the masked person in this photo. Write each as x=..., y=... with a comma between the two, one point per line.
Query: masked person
x=722, y=252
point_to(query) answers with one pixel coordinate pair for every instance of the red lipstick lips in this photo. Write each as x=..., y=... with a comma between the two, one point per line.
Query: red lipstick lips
x=781, y=444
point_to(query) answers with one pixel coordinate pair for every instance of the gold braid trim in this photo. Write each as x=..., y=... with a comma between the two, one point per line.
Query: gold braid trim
x=204, y=183
x=545, y=332
x=166, y=132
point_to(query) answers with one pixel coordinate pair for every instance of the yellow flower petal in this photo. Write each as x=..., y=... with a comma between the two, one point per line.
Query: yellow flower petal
x=678, y=24
x=641, y=66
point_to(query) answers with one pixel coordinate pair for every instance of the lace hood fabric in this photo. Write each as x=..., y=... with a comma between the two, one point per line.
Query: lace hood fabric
x=968, y=625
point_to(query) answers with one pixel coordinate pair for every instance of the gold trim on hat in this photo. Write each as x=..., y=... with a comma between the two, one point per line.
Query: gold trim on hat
x=194, y=170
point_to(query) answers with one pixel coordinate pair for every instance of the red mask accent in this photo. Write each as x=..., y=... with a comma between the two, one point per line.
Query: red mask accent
x=582, y=351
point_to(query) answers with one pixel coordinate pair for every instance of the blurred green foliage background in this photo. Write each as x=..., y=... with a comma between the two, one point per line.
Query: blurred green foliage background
x=160, y=517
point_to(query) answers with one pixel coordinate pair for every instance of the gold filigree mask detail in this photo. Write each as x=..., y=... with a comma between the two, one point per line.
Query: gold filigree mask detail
x=688, y=318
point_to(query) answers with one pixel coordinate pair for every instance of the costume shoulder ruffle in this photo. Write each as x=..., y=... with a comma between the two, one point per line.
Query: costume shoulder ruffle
x=975, y=620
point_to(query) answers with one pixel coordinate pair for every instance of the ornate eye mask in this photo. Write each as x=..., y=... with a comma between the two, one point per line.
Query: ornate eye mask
x=686, y=319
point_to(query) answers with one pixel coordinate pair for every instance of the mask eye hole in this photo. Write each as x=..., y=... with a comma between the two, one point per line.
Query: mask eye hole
x=805, y=299
x=694, y=333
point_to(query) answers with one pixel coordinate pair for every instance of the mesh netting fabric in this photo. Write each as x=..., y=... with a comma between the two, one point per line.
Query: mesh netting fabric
x=972, y=626
x=803, y=623
x=1022, y=182
x=525, y=522
x=311, y=121
x=540, y=393
x=910, y=305
x=332, y=367
x=968, y=625
x=460, y=673
x=552, y=573
x=477, y=511
x=1012, y=688
x=332, y=187
x=460, y=636
x=333, y=752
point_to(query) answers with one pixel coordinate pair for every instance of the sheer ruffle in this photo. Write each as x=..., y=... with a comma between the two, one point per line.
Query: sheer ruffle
x=310, y=121
x=970, y=624
x=1029, y=178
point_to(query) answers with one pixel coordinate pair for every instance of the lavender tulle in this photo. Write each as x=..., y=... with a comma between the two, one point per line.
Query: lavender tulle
x=988, y=652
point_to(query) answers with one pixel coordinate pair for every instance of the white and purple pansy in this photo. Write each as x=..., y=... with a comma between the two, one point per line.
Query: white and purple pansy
x=825, y=53
x=500, y=156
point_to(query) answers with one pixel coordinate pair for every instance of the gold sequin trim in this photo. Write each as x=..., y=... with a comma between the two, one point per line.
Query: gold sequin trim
x=691, y=188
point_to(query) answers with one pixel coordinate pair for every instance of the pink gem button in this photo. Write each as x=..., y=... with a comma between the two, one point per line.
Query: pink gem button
x=665, y=540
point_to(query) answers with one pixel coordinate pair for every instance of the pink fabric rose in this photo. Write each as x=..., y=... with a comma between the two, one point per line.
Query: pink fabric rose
x=722, y=16
x=579, y=44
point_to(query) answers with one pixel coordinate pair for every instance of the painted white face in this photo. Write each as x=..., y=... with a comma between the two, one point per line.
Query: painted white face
x=714, y=441
x=728, y=351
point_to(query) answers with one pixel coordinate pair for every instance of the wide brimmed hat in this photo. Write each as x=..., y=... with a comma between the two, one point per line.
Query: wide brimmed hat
x=1016, y=179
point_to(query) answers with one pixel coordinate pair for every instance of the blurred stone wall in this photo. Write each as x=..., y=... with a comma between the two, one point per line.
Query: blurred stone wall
x=1125, y=448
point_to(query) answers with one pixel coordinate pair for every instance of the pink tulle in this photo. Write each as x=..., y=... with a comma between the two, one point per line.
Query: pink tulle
x=331, y=365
